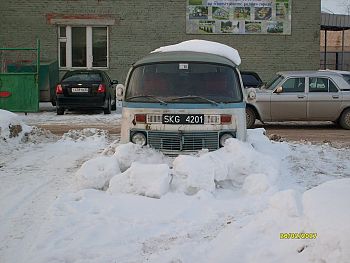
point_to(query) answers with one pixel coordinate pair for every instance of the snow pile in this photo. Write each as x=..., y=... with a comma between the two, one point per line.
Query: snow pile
x=87, y=134
x=92, y=226
x=238, y=203
x=39, y=135
x=12, y=129
x=130, y=152
x=256, y=184
x=238, y=163
x=97, y=172
x=234, y=162
x=144, y=171
x=326, y=210
x=204, y=46
x=150, y=180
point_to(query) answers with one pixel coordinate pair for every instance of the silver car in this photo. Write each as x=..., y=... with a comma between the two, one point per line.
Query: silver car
x=302, y=96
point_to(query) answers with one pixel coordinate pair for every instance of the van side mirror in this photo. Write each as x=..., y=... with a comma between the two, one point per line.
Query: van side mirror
x=114, y=82
x=279, y=90
x=120, y=92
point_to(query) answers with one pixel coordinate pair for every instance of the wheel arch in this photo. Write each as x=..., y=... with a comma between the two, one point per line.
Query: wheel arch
x=257, y=114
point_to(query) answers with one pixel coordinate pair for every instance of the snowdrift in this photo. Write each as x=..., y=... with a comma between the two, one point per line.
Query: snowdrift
x=147, y=171
x=12, y=129
x=233, y=203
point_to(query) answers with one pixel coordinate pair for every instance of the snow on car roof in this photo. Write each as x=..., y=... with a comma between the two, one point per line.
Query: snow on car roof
x=204, y=46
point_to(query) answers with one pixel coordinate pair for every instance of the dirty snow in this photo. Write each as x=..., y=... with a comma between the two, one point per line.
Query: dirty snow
x=219, y=206
x=11, y=127
x=204, y=46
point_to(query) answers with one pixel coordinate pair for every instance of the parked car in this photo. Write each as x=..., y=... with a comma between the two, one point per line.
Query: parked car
x=85, y=89
x=251, y=79
x=302, y=96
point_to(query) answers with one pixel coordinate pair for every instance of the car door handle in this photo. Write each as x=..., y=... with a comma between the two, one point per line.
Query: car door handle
x=301, y=96
x=335, y=97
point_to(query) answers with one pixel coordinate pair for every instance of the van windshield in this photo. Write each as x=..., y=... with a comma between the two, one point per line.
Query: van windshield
x=184, y=82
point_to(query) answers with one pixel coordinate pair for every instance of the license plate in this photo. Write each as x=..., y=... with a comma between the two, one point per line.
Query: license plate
x=183, y=119
x=80, y=89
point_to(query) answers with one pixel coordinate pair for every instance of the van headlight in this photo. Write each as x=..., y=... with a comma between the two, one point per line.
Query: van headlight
x=224, y=137
x=139, y=138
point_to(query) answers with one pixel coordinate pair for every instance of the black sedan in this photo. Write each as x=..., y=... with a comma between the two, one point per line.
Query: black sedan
x=85, y=89
x=251, y=79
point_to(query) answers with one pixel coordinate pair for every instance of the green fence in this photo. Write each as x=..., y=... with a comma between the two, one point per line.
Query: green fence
x=19, y=92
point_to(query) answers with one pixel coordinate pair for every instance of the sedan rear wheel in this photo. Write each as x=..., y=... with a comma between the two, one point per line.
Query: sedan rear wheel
x=250, y=117
x=345, y=119
x=107, y=110
x=59, y=110
x=114, y=105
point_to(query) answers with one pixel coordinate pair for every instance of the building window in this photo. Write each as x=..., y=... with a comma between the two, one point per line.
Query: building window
x=83, y=46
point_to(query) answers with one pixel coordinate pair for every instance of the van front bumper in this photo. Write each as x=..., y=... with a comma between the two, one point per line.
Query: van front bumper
x=183, y=142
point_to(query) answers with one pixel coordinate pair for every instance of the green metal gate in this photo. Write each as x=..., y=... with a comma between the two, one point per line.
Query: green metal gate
x=19, y=92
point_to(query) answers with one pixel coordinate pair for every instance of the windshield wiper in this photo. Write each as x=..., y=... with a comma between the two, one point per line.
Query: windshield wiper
x=196, y=97
x=148, y=96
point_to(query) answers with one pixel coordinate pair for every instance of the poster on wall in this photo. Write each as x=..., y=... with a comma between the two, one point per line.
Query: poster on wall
x=238, y=17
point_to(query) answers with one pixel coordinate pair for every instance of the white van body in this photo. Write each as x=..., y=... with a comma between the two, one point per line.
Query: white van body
x=182, y=102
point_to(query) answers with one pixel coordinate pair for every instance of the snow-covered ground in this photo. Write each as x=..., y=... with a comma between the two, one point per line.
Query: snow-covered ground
x=84, y=198
x=46, y=116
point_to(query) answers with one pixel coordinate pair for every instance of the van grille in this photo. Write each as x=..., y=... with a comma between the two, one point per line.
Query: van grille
x=187, y=141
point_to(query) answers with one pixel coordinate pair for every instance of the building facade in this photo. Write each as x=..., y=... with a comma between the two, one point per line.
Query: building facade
x=112, y=35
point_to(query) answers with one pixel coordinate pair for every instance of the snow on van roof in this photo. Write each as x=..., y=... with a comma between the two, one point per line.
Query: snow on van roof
x=204, y=46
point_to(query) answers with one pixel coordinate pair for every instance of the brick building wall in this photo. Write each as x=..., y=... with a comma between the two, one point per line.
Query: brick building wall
x=141, y=26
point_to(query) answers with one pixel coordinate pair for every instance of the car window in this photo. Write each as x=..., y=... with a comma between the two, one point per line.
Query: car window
x=332, y=87
x=321, y=85
x=274, y=82
x=346, y=77
x=294, y=85
x=83, y=77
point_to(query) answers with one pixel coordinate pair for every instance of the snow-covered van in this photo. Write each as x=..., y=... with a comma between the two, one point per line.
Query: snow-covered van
x=184, y=98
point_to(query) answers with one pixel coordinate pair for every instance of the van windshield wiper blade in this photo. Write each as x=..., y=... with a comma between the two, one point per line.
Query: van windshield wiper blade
x=148, y=96
x=196, y=97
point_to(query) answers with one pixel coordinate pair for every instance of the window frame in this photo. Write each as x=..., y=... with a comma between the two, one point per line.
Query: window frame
x=89, y=47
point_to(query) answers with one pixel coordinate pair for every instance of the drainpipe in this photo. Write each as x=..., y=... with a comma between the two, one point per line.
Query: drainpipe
x=342, y=50
x=325, y=49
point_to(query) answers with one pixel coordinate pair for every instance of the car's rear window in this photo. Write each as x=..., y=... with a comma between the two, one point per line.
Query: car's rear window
x=93, y=77
x=346, y=77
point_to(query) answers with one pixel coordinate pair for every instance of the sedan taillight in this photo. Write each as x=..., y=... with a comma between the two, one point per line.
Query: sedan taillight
x=59, y=89
x=101, y=88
